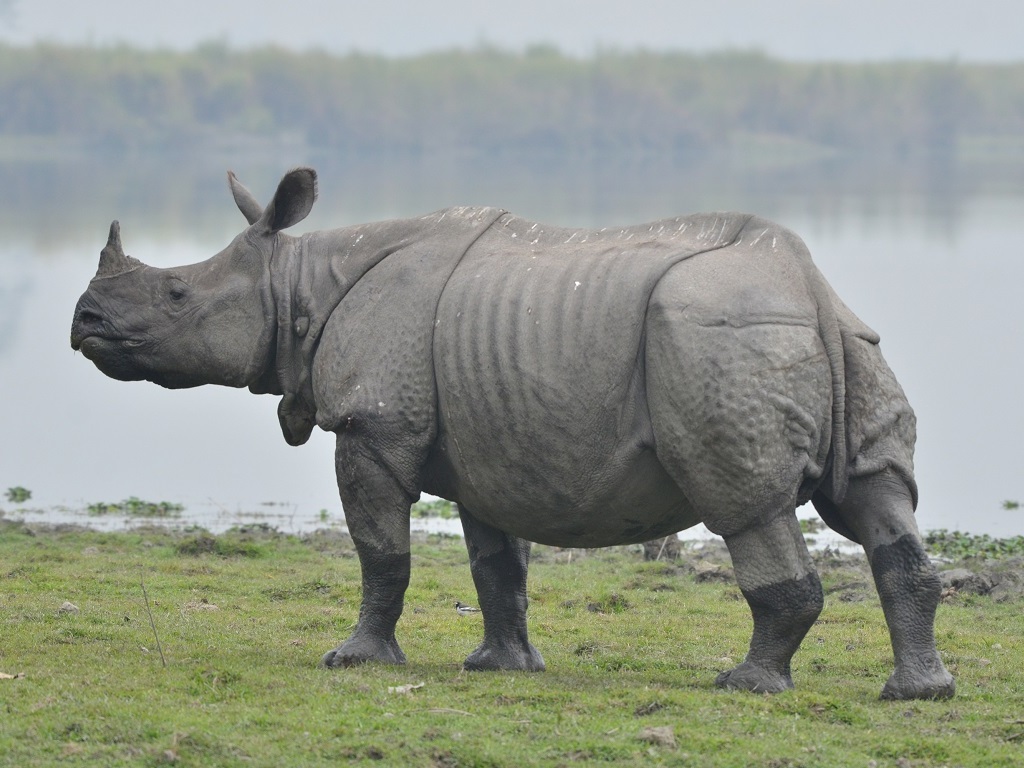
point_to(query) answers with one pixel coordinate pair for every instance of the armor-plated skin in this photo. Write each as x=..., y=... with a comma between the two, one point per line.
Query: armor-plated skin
x=572, y=387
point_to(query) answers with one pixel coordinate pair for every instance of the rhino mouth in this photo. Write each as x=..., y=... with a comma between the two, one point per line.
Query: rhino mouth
x=113, y=356
x=91, y=345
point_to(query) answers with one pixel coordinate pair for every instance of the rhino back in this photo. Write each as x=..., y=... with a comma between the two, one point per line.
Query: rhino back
x=538, y=354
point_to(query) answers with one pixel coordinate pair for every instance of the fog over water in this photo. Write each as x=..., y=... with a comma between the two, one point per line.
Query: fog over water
x=935, y=268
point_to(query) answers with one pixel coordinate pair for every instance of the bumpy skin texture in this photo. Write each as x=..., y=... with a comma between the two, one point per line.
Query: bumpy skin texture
x=572, y=387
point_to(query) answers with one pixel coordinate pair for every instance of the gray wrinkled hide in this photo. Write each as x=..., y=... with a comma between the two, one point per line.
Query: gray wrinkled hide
x=565, y=386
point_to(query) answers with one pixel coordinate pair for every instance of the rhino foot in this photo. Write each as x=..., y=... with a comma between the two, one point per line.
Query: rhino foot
x=355, y=651
x=750, y=677
x=525, y=659
x=927, y=680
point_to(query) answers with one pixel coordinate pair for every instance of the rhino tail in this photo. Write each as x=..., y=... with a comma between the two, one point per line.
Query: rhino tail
x=832, y=338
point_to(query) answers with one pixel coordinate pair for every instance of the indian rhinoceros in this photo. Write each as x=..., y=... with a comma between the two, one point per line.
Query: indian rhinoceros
x=573, y=387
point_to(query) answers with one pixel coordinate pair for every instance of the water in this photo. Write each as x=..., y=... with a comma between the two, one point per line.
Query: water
x=931, y=258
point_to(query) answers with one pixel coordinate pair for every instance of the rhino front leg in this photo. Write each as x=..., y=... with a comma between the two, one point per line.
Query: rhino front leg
x=499, y=563
x=778, y=580
x=377, y=515
x=880, y=510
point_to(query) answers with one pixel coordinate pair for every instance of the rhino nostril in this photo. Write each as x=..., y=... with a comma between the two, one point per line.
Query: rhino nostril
x=88, y=317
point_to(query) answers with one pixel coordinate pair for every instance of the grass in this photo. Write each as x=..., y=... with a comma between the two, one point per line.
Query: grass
x=630, y=646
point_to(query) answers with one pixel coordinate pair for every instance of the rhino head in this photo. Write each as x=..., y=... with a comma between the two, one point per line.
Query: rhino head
x=208, y=323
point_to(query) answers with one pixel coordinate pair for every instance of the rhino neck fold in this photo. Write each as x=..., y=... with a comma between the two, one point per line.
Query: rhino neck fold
x=305, y=291
x=309, y=277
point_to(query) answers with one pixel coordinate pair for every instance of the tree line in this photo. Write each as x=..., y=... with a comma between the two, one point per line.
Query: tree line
x=497, y=101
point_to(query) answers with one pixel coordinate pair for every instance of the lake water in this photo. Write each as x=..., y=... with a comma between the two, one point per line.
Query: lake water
x=933, y=259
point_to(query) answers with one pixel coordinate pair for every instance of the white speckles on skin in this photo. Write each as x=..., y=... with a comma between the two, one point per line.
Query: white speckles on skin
x=572, y=237
x=756, y=239
x=725, y=223
x=773, y=243
x=380, y=404
x=533, y=227
x=576, y=284
x=514, y=235
x=534, y=242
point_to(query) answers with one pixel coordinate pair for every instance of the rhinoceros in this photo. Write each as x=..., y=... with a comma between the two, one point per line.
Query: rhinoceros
x=572, y=387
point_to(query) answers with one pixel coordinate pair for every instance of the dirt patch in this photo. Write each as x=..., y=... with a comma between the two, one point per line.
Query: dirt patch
x=1001, y=580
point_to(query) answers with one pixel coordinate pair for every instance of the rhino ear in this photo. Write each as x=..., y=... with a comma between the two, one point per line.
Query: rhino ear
x=293, y=200
x=246, y=203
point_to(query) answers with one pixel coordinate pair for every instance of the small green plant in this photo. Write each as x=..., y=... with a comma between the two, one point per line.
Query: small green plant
x=136, y=507
x=1011, y=504
x=441, y=508
x=324, y=515
x=18, y=495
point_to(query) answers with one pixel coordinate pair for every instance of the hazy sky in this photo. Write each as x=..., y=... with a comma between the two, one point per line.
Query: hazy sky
x=975, y=30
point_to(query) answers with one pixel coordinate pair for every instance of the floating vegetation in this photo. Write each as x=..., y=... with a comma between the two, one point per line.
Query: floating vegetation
x=136, y=507
x=441, y=508
x=811, y=525
x=957, y=545
x=18, y=495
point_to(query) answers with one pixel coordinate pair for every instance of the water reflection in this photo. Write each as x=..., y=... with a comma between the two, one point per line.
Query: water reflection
x=55, y=205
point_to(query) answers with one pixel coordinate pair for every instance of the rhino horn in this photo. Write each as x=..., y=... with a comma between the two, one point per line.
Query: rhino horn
x=113, y=260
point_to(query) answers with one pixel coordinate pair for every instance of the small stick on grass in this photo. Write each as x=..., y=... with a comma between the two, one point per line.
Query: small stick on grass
x=152, y=623
x=663, y=543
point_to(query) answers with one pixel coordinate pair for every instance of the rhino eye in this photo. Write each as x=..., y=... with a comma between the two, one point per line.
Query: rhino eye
x=177, y=291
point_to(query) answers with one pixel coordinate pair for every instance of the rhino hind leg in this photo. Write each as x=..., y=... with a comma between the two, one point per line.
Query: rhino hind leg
x=879, y=508
x=778, y=580
x=377, y=515
x=499, y=563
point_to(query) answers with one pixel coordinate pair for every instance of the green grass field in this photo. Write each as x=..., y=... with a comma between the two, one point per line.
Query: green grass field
x=632, y=649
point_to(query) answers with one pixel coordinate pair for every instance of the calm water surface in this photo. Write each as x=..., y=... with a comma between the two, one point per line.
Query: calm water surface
x=933, y=260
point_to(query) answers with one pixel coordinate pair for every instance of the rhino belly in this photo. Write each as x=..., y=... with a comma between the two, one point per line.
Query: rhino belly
x=536, y=500
x=544, y=428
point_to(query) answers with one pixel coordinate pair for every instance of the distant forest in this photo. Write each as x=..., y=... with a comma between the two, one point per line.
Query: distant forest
x=494, y=101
